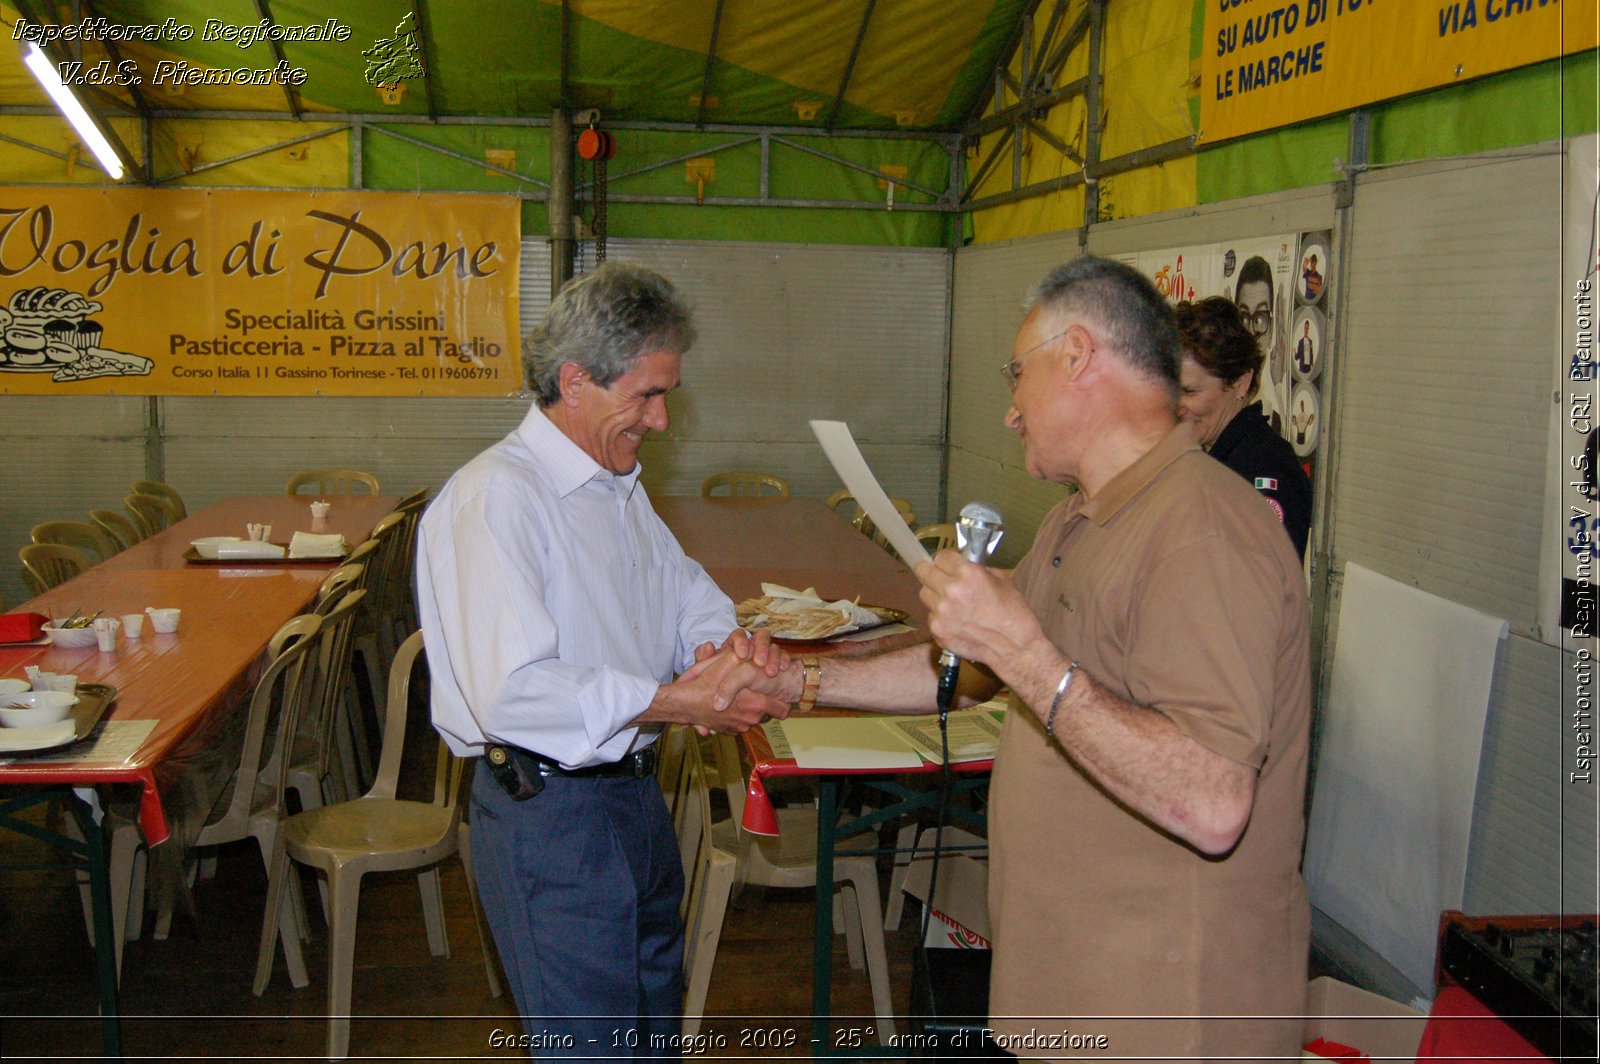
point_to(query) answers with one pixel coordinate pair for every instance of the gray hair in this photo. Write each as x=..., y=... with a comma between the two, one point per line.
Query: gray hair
x=602, y=323
x=1124, y=306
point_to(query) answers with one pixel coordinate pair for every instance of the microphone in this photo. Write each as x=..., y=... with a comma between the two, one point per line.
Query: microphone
x=978, y=532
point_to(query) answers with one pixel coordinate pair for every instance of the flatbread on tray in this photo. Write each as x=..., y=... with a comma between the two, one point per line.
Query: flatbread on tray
x=804, y=615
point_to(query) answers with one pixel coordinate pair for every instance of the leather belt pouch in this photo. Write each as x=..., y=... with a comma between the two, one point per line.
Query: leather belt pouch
x=515, y=770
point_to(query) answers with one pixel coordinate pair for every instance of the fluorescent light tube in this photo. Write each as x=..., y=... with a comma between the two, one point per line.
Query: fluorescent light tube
x=67, y=103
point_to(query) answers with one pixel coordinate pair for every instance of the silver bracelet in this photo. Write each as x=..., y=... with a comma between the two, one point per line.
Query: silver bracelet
x=1055, y=703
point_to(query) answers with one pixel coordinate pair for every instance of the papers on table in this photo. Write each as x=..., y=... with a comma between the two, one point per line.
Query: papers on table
x=887, y=742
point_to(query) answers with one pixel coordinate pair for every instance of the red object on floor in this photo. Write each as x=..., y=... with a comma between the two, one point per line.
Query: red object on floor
x=1336, y=1051
x=1462, y=1030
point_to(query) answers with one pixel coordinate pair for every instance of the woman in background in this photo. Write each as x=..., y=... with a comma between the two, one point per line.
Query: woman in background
x=1221, y=371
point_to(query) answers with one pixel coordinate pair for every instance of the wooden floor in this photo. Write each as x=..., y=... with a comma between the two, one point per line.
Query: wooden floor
x=189, y=996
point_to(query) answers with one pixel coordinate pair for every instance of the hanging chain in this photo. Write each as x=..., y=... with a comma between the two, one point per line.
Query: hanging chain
x=598, y=196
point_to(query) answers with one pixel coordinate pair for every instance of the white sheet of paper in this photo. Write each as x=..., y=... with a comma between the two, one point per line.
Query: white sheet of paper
x=847, y=742
x=840, y=447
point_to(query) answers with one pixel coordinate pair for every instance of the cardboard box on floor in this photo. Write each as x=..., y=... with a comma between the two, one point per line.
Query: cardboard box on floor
x=960, y=917
x=1381, y=1029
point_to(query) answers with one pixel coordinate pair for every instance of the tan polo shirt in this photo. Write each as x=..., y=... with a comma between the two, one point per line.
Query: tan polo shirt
x=1175, y=588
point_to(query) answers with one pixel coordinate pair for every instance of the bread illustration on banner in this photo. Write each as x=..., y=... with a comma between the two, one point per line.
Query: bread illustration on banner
x=50, y=330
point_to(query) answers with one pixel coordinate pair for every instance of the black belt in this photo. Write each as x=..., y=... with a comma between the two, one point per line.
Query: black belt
x=521, y=772
x=638, y=764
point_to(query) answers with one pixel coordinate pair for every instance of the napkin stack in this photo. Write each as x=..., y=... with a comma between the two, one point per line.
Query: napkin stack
x=312, y=545
x=249, y=550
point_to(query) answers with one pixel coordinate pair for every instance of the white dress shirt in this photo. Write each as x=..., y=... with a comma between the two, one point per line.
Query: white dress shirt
x=554, y=601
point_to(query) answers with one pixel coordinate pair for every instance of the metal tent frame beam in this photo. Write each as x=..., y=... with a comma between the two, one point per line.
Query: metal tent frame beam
x=1039, y=64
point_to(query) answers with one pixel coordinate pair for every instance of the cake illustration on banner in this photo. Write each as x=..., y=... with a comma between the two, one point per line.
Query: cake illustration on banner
x=49, y=330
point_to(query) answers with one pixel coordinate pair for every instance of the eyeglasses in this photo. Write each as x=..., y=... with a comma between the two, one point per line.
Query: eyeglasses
x=1012, y=371
x=1257, y=323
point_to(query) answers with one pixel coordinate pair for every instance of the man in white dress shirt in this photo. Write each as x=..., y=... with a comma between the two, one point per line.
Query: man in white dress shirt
x=556, y=608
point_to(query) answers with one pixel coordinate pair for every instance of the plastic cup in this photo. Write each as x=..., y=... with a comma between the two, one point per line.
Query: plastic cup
x=133, y=625
x=164, y=621
x=61, y=681
x=319, y=509
x=105, y=632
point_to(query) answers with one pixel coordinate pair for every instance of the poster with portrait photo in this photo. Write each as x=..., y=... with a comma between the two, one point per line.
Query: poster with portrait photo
x=1257, y=276
x=1308, y=343
x=1311, y=276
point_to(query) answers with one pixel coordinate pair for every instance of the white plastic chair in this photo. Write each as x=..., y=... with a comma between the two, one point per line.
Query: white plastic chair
x=790, y=860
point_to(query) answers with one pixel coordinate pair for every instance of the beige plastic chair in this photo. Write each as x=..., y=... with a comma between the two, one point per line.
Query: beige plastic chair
x=53, y=564
x=85, y=536
x=841, y=496
x=744, y=482
x=376, y=639
x=314, y=774
x=333, y=482
x=348, y=577
x=708, y=872
x=937, y=537
x=151, y=513
x=374, y=833
x=790, y=860
x=865, y=526
x=164, y=491
x=117, y=526
x=245, y=808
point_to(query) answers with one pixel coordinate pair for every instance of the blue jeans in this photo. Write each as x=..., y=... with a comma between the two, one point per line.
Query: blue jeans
x=581, y=885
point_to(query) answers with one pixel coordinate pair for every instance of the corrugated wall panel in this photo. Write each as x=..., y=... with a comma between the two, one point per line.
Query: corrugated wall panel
x=1445, y=401
x=1525, y=805
x=991, y=282
x=1446, y=379
x=65, y=456
x=790, y=333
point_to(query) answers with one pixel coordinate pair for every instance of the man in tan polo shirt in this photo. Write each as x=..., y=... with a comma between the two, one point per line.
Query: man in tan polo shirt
x=1146, y=816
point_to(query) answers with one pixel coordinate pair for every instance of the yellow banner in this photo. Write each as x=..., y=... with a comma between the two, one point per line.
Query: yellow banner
x=1270, y=63
x=209, y=292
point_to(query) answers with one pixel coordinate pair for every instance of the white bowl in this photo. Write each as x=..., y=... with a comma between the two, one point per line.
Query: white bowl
x=13, y=687
x=33, y=708
x=206, y=546
x=69, y=637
